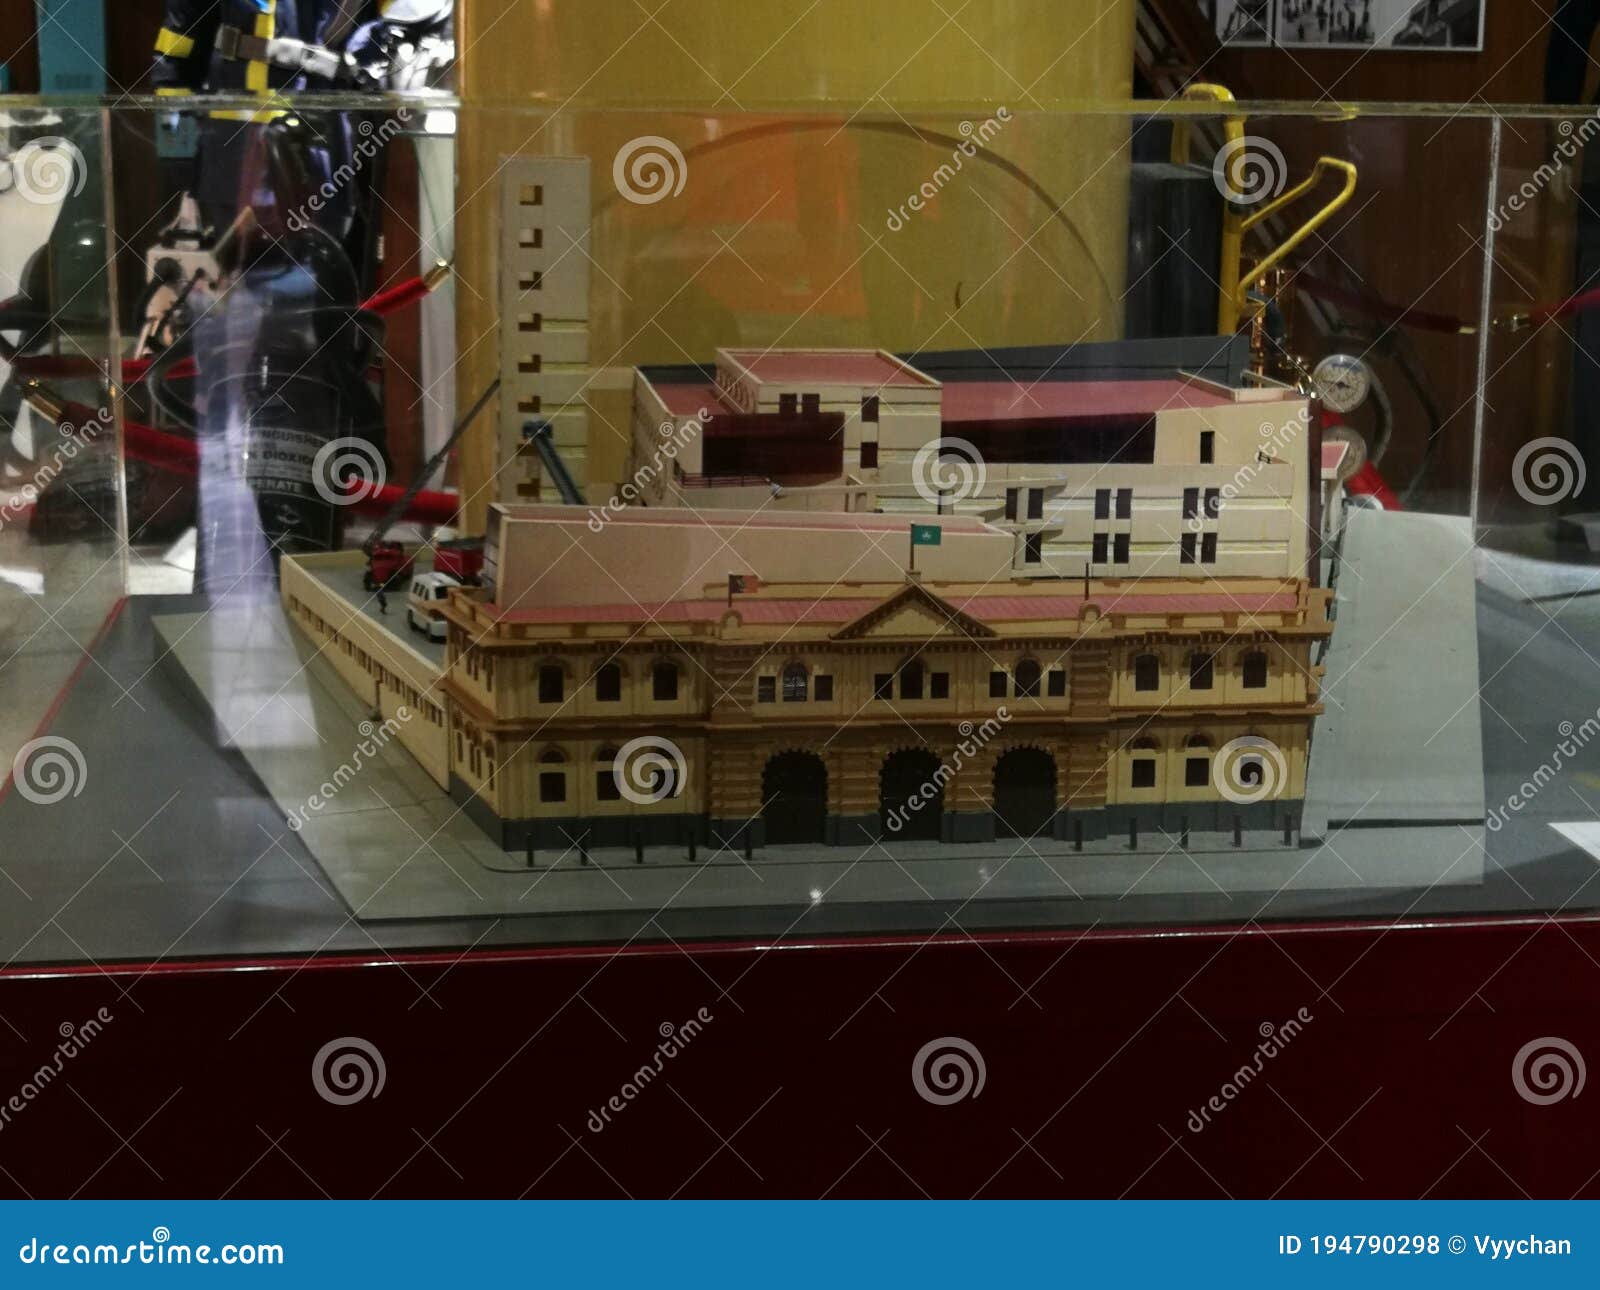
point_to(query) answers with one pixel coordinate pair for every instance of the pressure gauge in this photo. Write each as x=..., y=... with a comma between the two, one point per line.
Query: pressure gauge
x=1343, y=381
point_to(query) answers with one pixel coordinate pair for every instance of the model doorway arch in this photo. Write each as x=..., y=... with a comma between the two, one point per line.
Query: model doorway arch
x=794, y=796
x=910, y=798
x=1024, y=793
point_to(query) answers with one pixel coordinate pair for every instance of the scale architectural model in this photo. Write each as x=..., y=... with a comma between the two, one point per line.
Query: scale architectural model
x=936, y=612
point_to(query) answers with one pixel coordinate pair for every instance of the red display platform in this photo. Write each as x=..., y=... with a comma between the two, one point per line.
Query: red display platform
x=1100, y=1052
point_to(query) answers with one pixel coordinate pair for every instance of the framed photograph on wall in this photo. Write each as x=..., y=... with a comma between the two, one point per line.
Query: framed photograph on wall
x=1380, y=24
x=1241, y=22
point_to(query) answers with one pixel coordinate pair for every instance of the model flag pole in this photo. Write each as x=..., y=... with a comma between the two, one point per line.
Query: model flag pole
x=924, y=535
x=742, y=584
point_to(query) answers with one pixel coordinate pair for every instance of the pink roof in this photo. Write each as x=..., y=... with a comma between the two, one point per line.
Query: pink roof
x=686, y=400
x=989, y=609
x=797, y=521
x=862, y=367
x=1032, y=401
x=1334, y=451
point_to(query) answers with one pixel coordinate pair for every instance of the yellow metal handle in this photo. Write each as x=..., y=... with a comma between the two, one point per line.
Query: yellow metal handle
x=1234, y=302
x=1203, y=92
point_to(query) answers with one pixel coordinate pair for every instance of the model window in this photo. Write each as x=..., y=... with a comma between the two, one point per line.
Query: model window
x=1102, y=548
x=811, y=404
x=1102, y=503
x=1027, y=679
x=1208, y=447
x=552, y=684
x=1213, y=502
x=1191, y=503
x=1202, y=671
x=1197, y=763
x=1208, y=548
x=1142, y=768
x=552, y=777
x=795, y=682
x=997, y=685
x=869, y=409
x=608, y=683
x=664, y=682
x=911, y=681
x=1036, y=503
x=1255, y=671
x=766, y=689
x=1124, y=503
x=883, y=685
x=1056, y=683
x=1011, y=503
x=788, y=405
x=1032, y=548
x=606, y=788
x=869, y=454
x=1119, y=549
x=939, y=685
x=1186, y=549
x=1147, y=672
x=822, y=689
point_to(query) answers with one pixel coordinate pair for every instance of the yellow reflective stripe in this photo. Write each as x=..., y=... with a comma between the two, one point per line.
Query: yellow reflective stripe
x=171, y=91
x=242, y=114
x=255, y=75
x=168, y=42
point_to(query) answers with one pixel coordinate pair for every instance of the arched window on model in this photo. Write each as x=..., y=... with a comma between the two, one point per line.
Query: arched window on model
x=606, y=788
x=1254, y=669
x=1142, y=763
x=1147, y=673
x=553, y=776
x=664, y=681
x=1026, y=678
x=1197, y=762
x=608, y=683
x=795, y=679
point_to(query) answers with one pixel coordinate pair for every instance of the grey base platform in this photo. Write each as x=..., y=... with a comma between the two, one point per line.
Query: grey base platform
x=396, y=847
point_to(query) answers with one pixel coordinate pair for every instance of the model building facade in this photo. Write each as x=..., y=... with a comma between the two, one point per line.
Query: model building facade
x=789, y=680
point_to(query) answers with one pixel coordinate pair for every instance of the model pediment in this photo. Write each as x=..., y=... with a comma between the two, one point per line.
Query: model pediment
x=913, y=613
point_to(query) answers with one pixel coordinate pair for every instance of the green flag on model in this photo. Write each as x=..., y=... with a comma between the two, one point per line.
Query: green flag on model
x=926, y=535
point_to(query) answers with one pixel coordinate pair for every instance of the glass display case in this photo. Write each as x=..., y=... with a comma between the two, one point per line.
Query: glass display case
x=460, y=525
